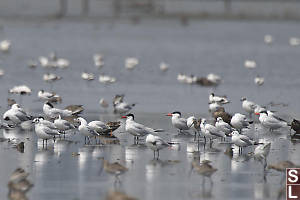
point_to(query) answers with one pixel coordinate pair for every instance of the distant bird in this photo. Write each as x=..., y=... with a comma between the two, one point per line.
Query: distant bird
x=248, y=106
x=220, y=112
x=156, y=143
x=268, y=39
x=43, y=131
x=205, y=168
x=98, y=60
x=103, y=103
x=282, y=165
x=32, y=64
x=295, y=125
x=294, y=41
x=240, y=121
x=86, y=130
x=223, y=126
x=62, y=63
x=250, y=64
x=218, y=99
x=10, y=102
x=21, y=89
x=1, y=72
x=107, y=79
x=50, y=77
x=259, y=80
x=75, y=109
x=136, y=129
x=46, y=96
x=216, y=79
x=16, y=115
x=87, y=76
x=178, y=122
x=210, y=131
x=241, y=140
x=115, y=168
x=131, y=63
x=271, y=121
x=5, y=45
x=121, y=107
x=163, y=67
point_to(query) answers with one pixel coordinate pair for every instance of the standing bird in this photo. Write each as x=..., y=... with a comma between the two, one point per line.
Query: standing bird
x=205, y=168
x=44, y=131
x=261, y=152
x=115, y=168
x=52, y=112
x=63, y=125
x=241, y=140
x=270, y=121
x=248, y=106
x=194, y=124
x=239, y=121
x=99, y=127
x=223, y=126
x=211, y=131
x=155, y=143
x=136, y=129
x=103, y=103
x=86, y=130
x=214, y=106
x=295, y=125
x=16, y=115
x=178, y=122
x=220, y=112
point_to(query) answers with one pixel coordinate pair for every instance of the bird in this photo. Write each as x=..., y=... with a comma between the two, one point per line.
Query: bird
x=214, y=106
x=163, y=67
x=282, y=165
x=131, y=63
x=52, y=112
x=268, y=39
x=194, y=124
x=239, y=121
x=107, y=79
x=47, y=96
x=5, y=45
x=271, y=121
x=241, y=140
x=16, y=115
x=20, y=89
x=118, y=195
x=210, y=131
x=103, y=103
x=294, y=41
x=121, y=107
x=205, y=168
x=295, y=125
x=261, y=152
x=86, y=130
x=75, y=109
x=215, y=79
x=99, y=127
x=87, y=76
x=1, y=72
x=98, y=60
x=248, y=106
x=155, y=143
x=218, y=99
x=220, y=112
x=136, y=129
x=63, y=125
x=259, y=80
x=250, y=64
x=178, y=122
x=45, y=130
x=115, y=168
x=51, y=77
x=223, y=126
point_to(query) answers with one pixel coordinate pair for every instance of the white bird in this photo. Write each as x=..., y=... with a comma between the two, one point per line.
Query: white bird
x=268, y=39
x=52, y=112
x=103, y=103
x=241, y=140
x=262, y=151
x=1, y=72
x=213, y=107
x=87, y=76
x=107, y=79
x=44, y=95
x=240, y=121
x=136, y=129
x=294, y=41
x=63, y=125
x=21, y=89
x=216, y=79
x=5, y=45
x=248, y=106
x=51, y=77
x=123, y=107
x=163, y=66
x=223, y=126
x=259, y=80
x=86, y=130
x=62, y=63
x=250, y=64
x=98, y=60
x=43, y=130
x=271, y=121
x=16, y=115
x=99, y=126
x=178, y=122
x=155, y=143
x=181, y=78
x=259, y=108
x=211, y=131
x=131, y=63
x=219, y=99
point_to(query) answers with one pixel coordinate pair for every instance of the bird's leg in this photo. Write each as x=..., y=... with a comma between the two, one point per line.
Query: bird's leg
x=195, y=137
x=84, y=139
x=137, y=139
x=153, y=154
x=46, y=142
x=204, y=139
x=111, y=133
x=89, y=141
x=54, y=138
x=43, y=143
x=157, y=154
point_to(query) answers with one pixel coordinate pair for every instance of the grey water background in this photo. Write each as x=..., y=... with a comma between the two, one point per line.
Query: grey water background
x=202, y=47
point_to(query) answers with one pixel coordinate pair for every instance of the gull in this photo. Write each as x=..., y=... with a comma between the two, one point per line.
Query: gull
x=241, y=140
x=155, y=143
x=223, y=126
x=98, y=60
x=86, y=130
x=103, y=103
x=62, y=63
x=240, y=121
x=52, y=112
x=259, y=109
x=44, y=130
x=216, y=79
x=131, y=63
x=16, y=115
x=107, y=79
x=271, y=122
x=218, y=99
x=1, y=72
x=259, y=80
x=44, y=95
x=212, y=107
x=50, y=77
x=99, y=126
x=294, y=41
x=87, y=76
x=136, y=129
x=268, y=39
x=163, y=67
x=115, y=168
x=120, y=106
x=20, y=89
x=210, y=131
x=63, y=125
x=261, y=152
x=178, y=122
x=5, y=45
x=250, y=64
x=248, y=106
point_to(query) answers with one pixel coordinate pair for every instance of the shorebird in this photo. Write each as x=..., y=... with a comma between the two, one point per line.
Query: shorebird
x=240, y=121
x=205, y=168
x=131, y=63
x=115, y=168
x=250, y=64
x=63, y=125
x=270, y=121
x=163, y=67
x=218, y=99
x=194, y=124
x=43, y=131
x=223, y=126
x=156, y=143
x=136, y=129
x=241, y=140
x=86, y=130
x=178, y=122
x=248, y=106
x=220, y=112
x=259, y=80
x=16, y=115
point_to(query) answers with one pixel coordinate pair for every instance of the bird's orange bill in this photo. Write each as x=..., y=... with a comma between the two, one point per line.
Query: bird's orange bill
x=169, y=114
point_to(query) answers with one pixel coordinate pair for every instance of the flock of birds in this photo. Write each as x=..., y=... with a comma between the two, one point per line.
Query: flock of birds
x=56, y=123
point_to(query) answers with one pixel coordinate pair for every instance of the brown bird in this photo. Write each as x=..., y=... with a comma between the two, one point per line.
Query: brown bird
x=203, y=81
x=204, y=169
x=220, y=112
x=295, y=125
x=11, y=102
x=282, y=165
x=76, y=109
x=117, y=195
x=114, y=168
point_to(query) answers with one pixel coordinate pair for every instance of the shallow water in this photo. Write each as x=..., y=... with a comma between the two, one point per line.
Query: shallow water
x=200, y=48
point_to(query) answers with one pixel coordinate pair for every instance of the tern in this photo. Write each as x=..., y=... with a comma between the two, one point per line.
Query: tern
x=156, y=143
x=241, y=140
x=52, y=112
x=136, y=129
x=218, y=99
x=178, y=122
x=48, y=96
x=271, y=122
x=240, y=121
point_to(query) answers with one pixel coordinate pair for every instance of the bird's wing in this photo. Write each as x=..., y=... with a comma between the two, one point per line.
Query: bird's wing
x=245, y=139
x=50, y=131
x=22, y=116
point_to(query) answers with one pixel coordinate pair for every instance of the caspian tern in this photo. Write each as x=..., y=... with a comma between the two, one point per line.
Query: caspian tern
x=86, y=130
x=240, y=121
x=219, y=99
x=248, y=106
x=178, y=122
x=136, y=129
x=16, y=115
x=223, y=126
x=271, y=121
x=155, y=143
x=241, y=140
